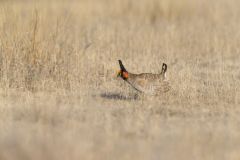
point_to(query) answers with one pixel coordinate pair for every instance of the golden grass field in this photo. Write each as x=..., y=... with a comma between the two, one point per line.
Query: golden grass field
x=60, y=98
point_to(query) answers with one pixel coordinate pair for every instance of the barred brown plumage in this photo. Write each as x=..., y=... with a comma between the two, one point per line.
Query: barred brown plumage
x=147, y=83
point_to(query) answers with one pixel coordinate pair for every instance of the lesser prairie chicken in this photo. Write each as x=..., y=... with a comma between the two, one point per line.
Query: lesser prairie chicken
x=147, y=83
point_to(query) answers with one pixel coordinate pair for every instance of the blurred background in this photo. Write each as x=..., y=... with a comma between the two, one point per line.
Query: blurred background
x=60, y=98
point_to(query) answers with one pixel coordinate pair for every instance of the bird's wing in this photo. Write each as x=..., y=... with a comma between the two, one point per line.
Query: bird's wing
x=150, y=86
x=139, y=84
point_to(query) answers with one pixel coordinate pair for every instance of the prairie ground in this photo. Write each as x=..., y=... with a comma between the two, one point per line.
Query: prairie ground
x=60, y=98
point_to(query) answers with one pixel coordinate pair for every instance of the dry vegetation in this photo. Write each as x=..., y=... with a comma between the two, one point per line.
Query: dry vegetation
x=60, y=98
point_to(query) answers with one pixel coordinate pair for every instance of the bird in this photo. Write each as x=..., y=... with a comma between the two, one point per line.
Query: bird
x=146, y=83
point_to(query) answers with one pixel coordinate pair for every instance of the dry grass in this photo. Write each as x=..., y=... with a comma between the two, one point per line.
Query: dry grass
x=60, y=98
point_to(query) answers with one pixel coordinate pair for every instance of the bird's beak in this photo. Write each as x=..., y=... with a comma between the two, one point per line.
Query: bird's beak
x=118, y=73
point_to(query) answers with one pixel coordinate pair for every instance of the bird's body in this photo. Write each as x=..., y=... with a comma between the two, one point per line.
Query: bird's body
x=147, y=83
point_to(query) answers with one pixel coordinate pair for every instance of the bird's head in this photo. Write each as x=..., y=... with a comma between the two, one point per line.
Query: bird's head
x=123, y=73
